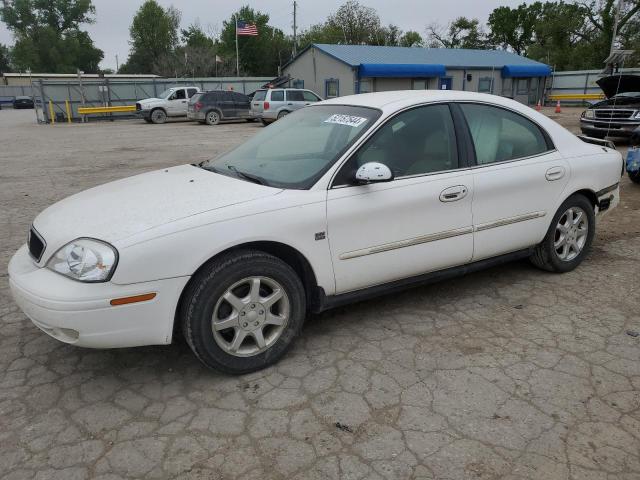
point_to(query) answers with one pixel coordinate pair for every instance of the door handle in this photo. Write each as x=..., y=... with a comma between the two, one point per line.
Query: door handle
x=453, y=194
x=555, y=173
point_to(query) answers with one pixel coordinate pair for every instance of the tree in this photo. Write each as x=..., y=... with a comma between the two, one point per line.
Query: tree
x=260, y=55
x=5, y=64
x=356, y=23
x=461, y=33
x=514, y=28
x=48, y=37
x=154, y=35
x=411, y=39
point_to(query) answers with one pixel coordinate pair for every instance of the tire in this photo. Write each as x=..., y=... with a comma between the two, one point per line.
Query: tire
x=561, y=250
x=264, y=122
x=635, y=177
x=282, y=114
x=212, y=117
x=231, y=277
x=158, y=116
x=147, y=120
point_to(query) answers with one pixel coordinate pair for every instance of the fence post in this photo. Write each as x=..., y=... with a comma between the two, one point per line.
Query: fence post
x=42, y=103
x=51, y=113
x=68, y=109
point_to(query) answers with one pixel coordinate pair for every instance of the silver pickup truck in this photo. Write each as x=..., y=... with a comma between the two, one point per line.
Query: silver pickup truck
x=173, y=102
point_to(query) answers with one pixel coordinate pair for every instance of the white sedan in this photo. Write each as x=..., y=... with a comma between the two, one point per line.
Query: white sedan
x=348, y=198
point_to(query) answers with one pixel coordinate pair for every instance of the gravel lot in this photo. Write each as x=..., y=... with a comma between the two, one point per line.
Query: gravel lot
x=508, y=373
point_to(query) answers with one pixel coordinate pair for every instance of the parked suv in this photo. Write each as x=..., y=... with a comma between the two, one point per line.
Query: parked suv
x=272, y=104
x=211, y=107
x=170, y=103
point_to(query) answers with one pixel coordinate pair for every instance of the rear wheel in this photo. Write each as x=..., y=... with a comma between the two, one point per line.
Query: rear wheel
x=264, y=122
x=282, y=114
x=242, y=312
x=212, y=117
x=569, y=237
x=158, y=116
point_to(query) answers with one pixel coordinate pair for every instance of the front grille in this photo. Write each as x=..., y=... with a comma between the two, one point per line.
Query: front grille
x=36, y=244
x=613, y=114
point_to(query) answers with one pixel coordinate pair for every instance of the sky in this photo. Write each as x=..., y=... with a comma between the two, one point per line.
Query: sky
x=110, y=32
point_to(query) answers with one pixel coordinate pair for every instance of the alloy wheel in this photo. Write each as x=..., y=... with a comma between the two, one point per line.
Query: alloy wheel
x=571, y=234
x=250, y=316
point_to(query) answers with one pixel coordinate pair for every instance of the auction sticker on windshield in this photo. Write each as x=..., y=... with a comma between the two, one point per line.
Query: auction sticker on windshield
x=349, y=120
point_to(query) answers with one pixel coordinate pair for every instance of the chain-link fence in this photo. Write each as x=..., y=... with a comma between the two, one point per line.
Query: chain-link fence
x=62, y=98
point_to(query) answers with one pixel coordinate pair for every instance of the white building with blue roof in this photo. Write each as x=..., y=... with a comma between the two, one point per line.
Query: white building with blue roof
x=336, y=70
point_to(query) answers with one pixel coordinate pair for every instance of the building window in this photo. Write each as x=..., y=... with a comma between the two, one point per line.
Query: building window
x=297, y=83
x=485, y=85
x=366, y=86
x=420, y=84
x=331, y=88
x=523, y=87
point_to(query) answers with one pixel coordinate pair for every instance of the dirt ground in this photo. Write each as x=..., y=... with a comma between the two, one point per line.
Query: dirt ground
x=508, y=373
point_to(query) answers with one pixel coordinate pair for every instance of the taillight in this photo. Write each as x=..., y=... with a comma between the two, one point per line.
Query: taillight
x=198, y=106
x=266, y=105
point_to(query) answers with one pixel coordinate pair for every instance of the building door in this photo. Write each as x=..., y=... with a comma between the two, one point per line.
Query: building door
x=446, y=83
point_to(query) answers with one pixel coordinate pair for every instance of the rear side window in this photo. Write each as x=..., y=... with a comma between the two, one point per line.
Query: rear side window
x=260, y=95
x=277, y=96
x=196, y=97
x=239, y=97
x=191, y=92
x=295, y=96
x=500, y=135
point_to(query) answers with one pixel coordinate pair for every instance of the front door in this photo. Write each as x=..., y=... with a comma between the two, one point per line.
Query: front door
x=178, y=103
x=417, y=223
x=241, y=105
x=518, y=181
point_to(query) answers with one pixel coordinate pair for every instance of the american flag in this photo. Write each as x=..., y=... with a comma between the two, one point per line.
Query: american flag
x=247, y=29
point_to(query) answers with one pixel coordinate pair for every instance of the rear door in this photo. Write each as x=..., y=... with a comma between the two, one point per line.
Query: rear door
x=276, y=100
x=518, y=180
x=294, y=99
x=227, y=105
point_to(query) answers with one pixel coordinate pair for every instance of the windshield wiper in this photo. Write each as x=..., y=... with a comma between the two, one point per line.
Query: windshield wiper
x=247, y=176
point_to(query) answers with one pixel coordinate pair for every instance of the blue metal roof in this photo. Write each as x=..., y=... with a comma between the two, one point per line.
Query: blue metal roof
x=355, y=55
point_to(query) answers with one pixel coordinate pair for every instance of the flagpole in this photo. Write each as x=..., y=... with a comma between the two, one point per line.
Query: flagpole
x=237, y=50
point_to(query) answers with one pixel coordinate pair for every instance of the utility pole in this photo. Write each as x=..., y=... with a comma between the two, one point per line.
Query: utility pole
x=616, y=20
x=117, y=64
x=295, y=28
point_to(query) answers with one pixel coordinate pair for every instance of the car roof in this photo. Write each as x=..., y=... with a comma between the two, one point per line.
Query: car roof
x=398, y=99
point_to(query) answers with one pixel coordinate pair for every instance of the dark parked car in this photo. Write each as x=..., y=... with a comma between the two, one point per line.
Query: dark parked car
x=619, y=114
x=213, y=106
x=23, y=102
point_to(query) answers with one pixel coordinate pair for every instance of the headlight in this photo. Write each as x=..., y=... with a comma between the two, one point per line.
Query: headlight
x=85, y=260
x=589, y=114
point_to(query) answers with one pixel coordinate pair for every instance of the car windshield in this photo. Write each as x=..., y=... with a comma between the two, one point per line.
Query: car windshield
x=297, y=150
x=260, y=95
x=166, y=93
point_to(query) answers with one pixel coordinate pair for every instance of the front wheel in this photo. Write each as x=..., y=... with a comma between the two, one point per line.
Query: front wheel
x=242, y=312
x=158, y=116
x=569, y=237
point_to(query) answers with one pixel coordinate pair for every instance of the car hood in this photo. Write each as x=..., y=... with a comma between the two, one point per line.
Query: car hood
x=119, y=209
x=149, y=101
x=615, y=84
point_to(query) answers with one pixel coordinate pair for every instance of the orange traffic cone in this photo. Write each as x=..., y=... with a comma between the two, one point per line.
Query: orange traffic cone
x=558, y=109
x=538, y=106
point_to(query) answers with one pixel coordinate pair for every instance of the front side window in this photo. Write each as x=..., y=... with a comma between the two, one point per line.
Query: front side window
x=277, y=96
x=500, y=135
x=309, y=96
x=297, y=150
x=419, y=141
x=179, y=95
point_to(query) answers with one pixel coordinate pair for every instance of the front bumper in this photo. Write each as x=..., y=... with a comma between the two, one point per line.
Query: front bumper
x=614, y=128
x=81, y=313
x=195, y=115
x=143, y=113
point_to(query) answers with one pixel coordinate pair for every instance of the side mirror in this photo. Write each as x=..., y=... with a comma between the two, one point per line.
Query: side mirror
x=373, y=172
